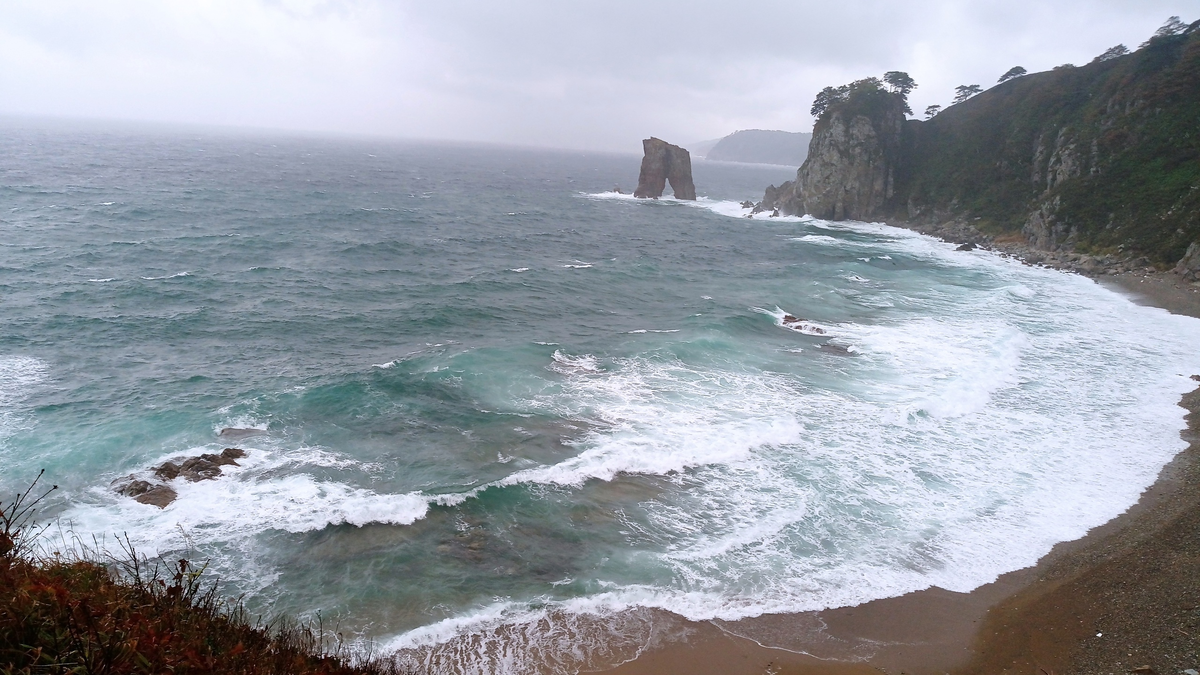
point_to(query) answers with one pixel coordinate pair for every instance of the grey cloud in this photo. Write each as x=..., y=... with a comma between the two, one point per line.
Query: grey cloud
x=585, y=74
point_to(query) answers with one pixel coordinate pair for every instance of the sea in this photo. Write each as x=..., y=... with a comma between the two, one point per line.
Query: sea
x=506, y=418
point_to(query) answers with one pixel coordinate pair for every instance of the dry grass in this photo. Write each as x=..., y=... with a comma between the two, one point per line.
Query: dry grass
x=79, y=615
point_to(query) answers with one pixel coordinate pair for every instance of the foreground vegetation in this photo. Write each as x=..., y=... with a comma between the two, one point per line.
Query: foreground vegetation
x=72, y=614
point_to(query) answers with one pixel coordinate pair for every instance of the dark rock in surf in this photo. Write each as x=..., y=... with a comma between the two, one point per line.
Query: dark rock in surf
x=203, y=467
x=133, y=487
x=199, y=468
x=146, y=492
x=663, y=163
x=159, y=495
x=800, y=325
x=966, y=247
x=167, y=471
x=838, y=349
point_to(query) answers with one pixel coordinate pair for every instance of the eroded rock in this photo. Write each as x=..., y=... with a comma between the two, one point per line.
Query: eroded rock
x=663, y=163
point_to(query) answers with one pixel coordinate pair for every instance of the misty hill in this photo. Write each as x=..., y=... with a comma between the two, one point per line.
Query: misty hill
x=701, y=148
x=1100, y=158
x=762, y=147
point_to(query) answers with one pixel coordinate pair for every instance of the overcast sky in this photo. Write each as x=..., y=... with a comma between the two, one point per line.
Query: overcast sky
x=586, y=74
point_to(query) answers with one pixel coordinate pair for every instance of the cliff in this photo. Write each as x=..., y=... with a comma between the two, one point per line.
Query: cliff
x=762, y=147
x=1102, y=158
x=663, y=162
x=850, y=172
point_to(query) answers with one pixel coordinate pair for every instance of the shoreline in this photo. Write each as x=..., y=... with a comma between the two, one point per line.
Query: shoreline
x=1121, y=597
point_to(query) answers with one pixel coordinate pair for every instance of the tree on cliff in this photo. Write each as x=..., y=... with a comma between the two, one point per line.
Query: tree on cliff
x=965, y=91
x=867, y=91
x=931, y=111
x=825, y=98
x=1014, y=72
x=899, y=82
x=1111, y=53
x=1172, y=27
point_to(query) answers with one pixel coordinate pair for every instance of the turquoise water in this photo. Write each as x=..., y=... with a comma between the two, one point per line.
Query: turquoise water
x=508, y=411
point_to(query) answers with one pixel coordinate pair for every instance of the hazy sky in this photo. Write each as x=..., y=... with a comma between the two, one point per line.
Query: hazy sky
x=587, y=74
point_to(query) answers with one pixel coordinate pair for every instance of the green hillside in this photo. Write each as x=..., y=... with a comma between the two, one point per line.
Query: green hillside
x=1101, y=158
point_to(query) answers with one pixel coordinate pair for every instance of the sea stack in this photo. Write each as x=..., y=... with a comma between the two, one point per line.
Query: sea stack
x=664, y=162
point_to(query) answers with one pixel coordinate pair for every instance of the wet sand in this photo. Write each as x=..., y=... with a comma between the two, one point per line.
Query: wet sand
x=1125, y=596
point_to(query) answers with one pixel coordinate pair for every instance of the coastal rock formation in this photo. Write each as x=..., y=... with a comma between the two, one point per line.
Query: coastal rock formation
x=850, y=171
x=664, y=163
x=201, y=467
x=1098, y=159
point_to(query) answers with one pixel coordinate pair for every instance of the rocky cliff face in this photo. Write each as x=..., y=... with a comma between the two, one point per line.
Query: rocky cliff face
x=1102, y=159
x=663, y=162
x=850, y=171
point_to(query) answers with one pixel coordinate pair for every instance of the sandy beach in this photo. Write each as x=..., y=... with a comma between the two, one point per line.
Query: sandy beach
x=1125, y=598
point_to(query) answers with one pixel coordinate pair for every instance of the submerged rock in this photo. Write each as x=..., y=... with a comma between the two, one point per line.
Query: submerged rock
x=235, y=433
x=664, y=163
x=801, y=326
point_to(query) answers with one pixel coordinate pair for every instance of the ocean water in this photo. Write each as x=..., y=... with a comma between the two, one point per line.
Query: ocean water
x=512, y=418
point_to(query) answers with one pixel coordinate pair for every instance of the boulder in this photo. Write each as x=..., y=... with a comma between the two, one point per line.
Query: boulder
x=146, y=492
x=199, y=468
x=663, y=163
x=134, y=487
x=167, y=471
x=159, y=495
x=1189, y=266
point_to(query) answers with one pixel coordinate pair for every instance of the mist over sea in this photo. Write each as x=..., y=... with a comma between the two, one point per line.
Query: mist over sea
x=510, y=414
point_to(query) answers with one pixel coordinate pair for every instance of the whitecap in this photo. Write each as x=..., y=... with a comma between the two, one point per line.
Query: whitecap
x=519, y=269
x=169, y=276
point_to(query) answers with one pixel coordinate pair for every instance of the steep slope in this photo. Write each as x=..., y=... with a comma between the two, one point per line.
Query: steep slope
x=1102, y=158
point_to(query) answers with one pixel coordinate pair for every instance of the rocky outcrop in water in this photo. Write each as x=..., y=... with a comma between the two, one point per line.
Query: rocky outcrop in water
x=663, y=163
x=201, y=467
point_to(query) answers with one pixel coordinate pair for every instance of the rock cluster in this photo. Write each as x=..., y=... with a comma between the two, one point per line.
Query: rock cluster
x=663, y=163
x=201, y=467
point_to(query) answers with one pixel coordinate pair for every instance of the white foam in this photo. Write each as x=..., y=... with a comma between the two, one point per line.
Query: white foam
x=102, y=281
x=519, y=269
x=177, y=275
x=565, y=363
x=273, y=490
x=18, y=376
